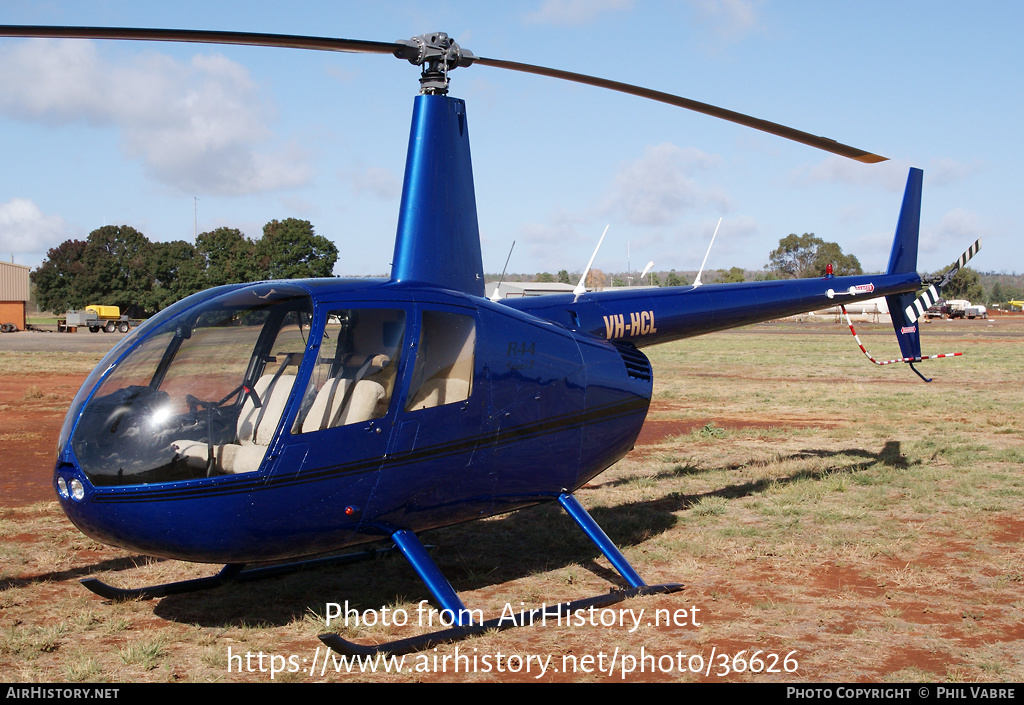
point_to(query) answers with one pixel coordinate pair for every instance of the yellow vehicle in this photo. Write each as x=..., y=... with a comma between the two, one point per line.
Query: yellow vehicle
x=105, y=313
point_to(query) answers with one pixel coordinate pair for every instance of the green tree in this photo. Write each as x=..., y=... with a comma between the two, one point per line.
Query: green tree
x=563, y=276
x=225, y=256
x=842, y=265
x=289, y=249
x=116, y=267
x=119, y=266
x=544, y=278
x=965, y=284
x=803, y=256
x=735, y=275
x=673, y=279
x=57, y=280
x=996, y=295
x=1001, y=293
x=174, y=273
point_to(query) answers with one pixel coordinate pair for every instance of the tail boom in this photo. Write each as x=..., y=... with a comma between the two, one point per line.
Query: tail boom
x=650, y=316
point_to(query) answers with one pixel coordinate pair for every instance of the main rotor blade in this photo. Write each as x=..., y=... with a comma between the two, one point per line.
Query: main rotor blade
x=825, y=143
x=206, y=37
x=410, y=51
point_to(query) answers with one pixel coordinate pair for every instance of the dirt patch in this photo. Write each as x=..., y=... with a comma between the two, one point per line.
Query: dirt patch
x=32, y=410
x=656, y=430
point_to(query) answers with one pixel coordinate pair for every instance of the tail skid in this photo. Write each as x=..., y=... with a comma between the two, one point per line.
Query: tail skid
x=905, y=308
x=909, y=360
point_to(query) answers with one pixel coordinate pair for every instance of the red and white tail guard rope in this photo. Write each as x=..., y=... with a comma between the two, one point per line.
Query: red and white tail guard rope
x=889, y=362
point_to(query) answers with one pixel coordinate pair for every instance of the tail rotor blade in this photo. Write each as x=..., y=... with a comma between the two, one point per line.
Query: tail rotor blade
x=931, y=294
x=922, y=304
x=964, y=259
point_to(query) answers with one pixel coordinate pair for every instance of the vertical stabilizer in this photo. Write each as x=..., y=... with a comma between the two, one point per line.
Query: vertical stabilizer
x=438, y=241
x=903, y=260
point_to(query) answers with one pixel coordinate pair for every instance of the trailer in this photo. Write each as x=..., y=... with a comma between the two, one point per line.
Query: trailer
x=96, y=318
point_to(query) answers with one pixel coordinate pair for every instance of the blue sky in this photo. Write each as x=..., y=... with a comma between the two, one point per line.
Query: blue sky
x=154, y=135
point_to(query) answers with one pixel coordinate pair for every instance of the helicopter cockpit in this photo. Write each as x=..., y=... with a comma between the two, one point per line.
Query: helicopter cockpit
x=203, y=393
x=200, y=395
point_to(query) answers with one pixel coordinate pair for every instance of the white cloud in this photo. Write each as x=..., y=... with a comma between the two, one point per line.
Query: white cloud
x=24, y=230
x=959, y=227
x=563, y=238
x=960, y=222
x=575, y=12
x=652, y=194
x=890, y=175
x=658, y=188
x=197, y=126
x=731, y=20
x=377, y=182
x=942, y=243
x=943, y=171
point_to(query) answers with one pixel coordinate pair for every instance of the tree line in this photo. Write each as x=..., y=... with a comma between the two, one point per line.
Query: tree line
x=118, y=265
x=796, y=257
x=808, y=256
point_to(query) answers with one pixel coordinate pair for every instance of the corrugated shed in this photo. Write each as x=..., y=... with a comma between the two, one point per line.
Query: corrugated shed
x=13, y=281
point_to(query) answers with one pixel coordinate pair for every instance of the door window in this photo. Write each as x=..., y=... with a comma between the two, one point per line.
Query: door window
x=354, y=377
x=445, y=359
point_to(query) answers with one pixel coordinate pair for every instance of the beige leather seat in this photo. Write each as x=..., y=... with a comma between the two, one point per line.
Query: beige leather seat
x=342, y=400
x=256, y=428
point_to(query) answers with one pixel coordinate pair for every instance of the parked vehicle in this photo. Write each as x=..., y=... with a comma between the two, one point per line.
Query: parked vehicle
x=957, y=308
x=96, y=318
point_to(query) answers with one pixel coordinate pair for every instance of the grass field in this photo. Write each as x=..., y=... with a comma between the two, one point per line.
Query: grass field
x=831, y=521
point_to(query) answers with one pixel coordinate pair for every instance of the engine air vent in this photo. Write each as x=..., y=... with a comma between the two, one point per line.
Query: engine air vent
x=637, y=364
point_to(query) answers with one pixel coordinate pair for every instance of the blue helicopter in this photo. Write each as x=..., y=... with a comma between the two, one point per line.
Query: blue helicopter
x=279, y=420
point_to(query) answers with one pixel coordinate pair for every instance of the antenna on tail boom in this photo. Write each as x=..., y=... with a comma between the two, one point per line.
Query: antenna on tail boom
x=581, y=287
x=697, y=281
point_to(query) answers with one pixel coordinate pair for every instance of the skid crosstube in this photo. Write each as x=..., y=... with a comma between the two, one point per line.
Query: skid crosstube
x=460, y=617
x=548, y=614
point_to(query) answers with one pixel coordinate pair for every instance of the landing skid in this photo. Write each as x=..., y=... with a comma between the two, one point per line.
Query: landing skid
x=230, y=573
x=549, y=615
x=464, y=628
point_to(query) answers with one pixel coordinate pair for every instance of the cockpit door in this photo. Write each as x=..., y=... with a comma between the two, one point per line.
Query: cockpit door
x=340, y=434
x=439, y=454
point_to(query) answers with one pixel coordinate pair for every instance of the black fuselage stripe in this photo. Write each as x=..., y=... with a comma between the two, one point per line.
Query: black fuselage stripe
x=496, y=439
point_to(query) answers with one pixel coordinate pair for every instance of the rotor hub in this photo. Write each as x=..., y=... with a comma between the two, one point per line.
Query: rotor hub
x=437, y=54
